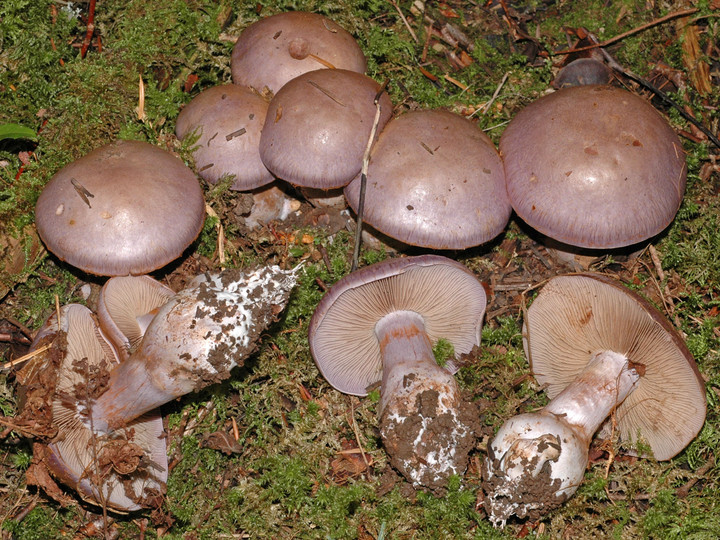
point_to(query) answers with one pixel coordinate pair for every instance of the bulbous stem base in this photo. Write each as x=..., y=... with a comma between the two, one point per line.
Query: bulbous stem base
x=537, y=460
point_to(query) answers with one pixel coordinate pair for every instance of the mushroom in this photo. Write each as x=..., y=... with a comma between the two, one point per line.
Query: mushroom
x=276, y=49
x=195, y=339
x=227, y=120
x=434, y=180
x=125, y=208
x=318, y=125
x=600, y=349
x=378, y=324
x=123, y=471
x=593, y=167
x=126, y=306
x=581, y=72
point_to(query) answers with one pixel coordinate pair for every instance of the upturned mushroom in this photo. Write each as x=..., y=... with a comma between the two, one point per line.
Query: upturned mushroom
x=123, y=471
x=126, y=306
x=379, y=324
x=276, y=49
x=125, y=208
x=434, y=180
x=194, y=340
x=594, y=168
x=600, y=349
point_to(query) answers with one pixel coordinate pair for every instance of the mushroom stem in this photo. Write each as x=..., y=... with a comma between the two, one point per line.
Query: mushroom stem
x=537, y=460
x=195, y=339
x=425, y=425
x=131, y=388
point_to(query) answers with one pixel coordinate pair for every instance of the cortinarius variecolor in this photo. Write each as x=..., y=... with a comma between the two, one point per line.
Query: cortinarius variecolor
x=378, y=325
x=599, y=348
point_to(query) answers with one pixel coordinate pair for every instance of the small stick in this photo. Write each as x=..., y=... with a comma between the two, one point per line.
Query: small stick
x=57, y=312
x=363, y=179
x=90, y=29
x=654, y=257
x=404, y=20
x=487, y=106
x=636, y=30
x=357, y=436
x=140, y=110
x=457, y=83
x=24, y=358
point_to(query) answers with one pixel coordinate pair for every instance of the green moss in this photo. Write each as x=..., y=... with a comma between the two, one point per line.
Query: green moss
x=443, y=351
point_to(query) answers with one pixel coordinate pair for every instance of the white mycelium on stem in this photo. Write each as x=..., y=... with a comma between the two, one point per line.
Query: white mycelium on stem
x=377, y=325
x=599, y=349
x=419, y=404
x=537, y=460
x=195, y=340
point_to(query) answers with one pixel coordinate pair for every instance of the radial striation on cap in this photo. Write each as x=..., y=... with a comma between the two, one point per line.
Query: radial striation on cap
x=125, y=208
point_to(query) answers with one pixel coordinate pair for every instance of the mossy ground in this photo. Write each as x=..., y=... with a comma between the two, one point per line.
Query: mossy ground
x=285, y=477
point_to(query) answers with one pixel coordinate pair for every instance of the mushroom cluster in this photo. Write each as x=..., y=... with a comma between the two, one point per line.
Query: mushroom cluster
x=123, y=210
x=302, y=110
x=435, y=180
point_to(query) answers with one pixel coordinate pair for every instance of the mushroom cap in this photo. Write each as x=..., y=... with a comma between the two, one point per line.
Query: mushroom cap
x=576, y=316
x=434, y=180
x=582, y=71
x=593, y=166
x=228, y=120
x=125, y=208
x=276, y=49
x=447, y=295
x=126, y=307
x=134, y=458
x=317, y=127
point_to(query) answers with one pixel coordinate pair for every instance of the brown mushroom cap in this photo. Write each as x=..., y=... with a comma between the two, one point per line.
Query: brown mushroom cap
x=126, y=306
x=133, y=459
x=434, y=180
x=317, y=127
x=576, y=316
x=276, y=49
x=125, y=208
x=593, y=166
x=228, y=120
x=447, y=295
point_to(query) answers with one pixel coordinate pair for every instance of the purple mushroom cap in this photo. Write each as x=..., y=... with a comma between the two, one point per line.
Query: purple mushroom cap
x=125, y=208
x=228, y=120
x=434, y=180
x=276, y=49
x=317, y=127
x=595, y=167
